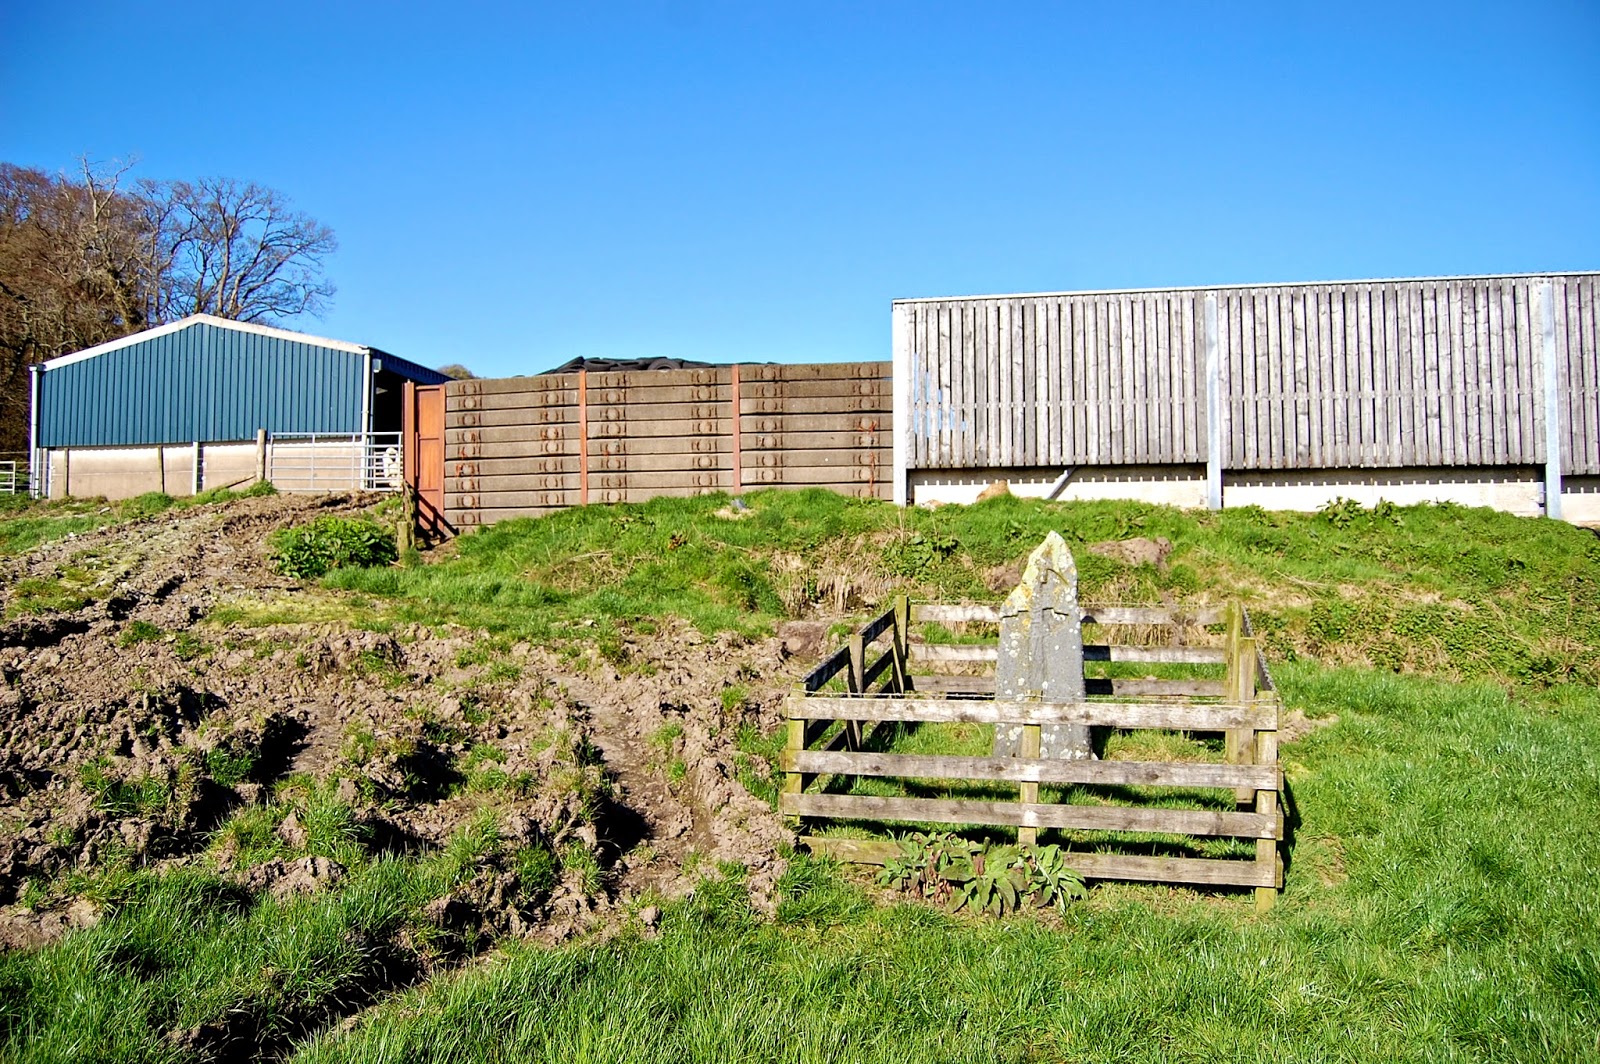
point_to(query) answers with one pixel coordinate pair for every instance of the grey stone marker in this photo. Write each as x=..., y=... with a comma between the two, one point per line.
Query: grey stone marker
x=1041, y=651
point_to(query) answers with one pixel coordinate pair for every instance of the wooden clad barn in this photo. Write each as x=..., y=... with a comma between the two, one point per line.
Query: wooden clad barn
x=1479, y=389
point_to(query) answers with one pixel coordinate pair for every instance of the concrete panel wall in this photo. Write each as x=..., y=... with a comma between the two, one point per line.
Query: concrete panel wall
x=126, y=472
x=118, y=472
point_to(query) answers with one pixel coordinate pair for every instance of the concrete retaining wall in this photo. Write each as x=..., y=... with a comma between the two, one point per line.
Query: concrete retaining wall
x=1514, y=489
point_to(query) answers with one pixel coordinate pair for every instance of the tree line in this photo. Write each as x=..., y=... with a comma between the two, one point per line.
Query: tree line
x=95, y=254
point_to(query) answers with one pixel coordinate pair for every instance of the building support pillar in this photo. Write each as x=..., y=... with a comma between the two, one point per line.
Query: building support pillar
x=1552, y=400
x=1213, y=405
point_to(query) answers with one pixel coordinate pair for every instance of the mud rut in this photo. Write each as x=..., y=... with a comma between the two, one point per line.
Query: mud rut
x=293, y=696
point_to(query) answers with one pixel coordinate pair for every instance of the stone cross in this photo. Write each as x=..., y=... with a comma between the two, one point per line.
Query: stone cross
x=1041, y=651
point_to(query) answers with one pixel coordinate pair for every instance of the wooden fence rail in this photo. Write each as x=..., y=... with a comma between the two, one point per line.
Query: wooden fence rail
x=843, y=701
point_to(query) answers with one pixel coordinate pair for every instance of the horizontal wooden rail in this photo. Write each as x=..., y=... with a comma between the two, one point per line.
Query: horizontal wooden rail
x=1177, y=716
x=1091, y=652
x=1093, y=685
x=1105, y=615
x=1221, y=873
x=878, y=625
x=827, y=670
x=1034, y=770
x=1032, y=815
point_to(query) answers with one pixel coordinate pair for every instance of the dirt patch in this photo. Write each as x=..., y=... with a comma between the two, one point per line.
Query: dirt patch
x=131, y=728
x=1139, y=550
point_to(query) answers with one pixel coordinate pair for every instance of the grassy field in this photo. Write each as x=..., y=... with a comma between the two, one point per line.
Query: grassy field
x=1439, y=902
x=1439, y=906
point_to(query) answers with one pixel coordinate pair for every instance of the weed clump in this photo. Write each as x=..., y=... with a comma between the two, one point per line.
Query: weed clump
x=982, y=878
x=330, y=542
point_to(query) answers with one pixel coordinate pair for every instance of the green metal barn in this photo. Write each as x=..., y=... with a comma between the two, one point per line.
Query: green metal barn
x=207, y=402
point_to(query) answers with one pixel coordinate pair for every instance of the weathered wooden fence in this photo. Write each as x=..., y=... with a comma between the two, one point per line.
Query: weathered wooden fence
x=834, y=711
x=524, y=446
x=1471, y=371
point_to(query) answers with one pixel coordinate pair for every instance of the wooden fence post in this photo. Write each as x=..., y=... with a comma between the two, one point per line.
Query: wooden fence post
x=1245, y=743
x=857, y=683
x=1231, y=684
x=1029, y=792
x=1266, y=753
x=793, y=782
x=408, y=518
x=902, y=639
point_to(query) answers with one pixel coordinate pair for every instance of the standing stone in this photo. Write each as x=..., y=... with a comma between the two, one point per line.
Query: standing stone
x=1041, y=651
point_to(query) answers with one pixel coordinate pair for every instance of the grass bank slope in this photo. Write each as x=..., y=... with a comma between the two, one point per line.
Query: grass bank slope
x=1438, y=905
x=1453, y=591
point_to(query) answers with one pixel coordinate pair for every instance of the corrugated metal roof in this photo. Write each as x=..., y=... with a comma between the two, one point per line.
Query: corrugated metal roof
x=206, y=379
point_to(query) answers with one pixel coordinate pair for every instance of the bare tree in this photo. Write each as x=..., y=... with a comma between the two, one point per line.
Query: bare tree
x=86, y=258
x=237, y=250
x=74, y=272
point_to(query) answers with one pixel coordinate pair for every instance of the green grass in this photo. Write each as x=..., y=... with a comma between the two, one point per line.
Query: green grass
x=1445, y=589
x=1439, y=907
x=184, y=949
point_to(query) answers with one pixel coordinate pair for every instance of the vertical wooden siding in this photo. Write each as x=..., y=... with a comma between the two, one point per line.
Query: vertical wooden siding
x=1444, y=372
x=525, y=446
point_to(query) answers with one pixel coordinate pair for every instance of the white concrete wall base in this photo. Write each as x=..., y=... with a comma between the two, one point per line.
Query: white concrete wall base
x=1166, y=485
x=1513, y=489
x=1580, y=501
x=125, y=472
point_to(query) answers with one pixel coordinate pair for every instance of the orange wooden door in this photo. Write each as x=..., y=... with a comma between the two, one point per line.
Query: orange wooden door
x=424, y=453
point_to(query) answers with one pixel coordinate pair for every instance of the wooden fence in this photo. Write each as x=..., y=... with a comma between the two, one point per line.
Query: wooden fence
x=525, y=446
x=1467, y=371
x=836, y=712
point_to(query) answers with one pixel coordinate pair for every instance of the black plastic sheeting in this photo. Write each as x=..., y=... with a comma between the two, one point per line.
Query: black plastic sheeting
x=625, y=365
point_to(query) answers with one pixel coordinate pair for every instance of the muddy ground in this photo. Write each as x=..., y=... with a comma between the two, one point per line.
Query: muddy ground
x=132, y=727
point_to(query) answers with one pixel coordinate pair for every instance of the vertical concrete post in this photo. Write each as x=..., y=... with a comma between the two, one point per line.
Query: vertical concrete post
x=737, y=478
x=1213, y=405
x=261, y=455
x=1041, y=651
x=1552, y=400
x=583, y=437
x=35, y=476
x=197, y=478
x=901, y=381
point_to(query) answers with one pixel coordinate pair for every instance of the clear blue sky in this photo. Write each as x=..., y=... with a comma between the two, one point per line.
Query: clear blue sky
x=513, y=185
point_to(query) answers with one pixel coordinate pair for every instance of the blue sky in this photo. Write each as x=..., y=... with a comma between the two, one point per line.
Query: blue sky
x=514, y=185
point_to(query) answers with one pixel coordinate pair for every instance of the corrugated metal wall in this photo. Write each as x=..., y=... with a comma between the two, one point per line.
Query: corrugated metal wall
x=1442, y=372
x=200, y=383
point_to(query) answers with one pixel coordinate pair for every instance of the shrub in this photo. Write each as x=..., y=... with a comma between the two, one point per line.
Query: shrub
x=330, y=542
